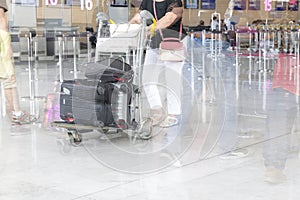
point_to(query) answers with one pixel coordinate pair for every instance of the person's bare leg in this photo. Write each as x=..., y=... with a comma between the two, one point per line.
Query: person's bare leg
x=12, y=101
x=15, y=96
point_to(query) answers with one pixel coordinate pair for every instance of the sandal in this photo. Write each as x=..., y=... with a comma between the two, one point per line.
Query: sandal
x=169, y=121
x=157, y=116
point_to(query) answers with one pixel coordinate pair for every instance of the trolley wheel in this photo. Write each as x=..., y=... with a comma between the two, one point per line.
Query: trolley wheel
x=64, y=146
x=145, y=129
x=105, y=130
x=134, y=124
x=75, y=138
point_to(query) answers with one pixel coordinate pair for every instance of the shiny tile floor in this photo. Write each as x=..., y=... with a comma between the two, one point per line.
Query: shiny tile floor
x=231, y=105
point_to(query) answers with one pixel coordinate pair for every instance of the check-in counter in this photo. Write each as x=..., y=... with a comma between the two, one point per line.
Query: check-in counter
x=46, y=42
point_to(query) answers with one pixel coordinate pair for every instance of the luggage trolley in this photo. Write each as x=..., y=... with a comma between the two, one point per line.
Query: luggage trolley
x=125, y=100
x=116, y=38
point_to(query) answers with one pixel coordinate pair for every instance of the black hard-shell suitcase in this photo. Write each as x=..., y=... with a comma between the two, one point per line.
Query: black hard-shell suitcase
x=91, y=102
x=80, y=111
x=91, y=90
x=86, y=101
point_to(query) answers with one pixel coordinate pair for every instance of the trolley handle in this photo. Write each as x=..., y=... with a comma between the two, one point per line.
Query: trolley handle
x=72, y=35
x=59, y=34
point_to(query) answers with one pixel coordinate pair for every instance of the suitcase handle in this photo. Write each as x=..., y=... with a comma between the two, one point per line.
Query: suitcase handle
x=123, y=60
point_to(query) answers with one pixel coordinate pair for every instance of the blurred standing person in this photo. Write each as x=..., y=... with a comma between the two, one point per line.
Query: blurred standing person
x=7, y=73
x=214, y=25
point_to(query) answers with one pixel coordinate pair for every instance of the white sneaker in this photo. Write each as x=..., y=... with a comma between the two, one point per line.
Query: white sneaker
x=246, y=135
x=169, y=121
x=274, y=176
x=239, y=153
x=23, y=118
x=157, y=115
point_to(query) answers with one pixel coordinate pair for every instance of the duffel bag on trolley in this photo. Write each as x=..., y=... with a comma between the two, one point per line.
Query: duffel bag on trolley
x=110, y=70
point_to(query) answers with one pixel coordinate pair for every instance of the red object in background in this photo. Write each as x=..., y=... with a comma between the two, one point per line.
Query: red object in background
x=287, y=74
x=292, y=2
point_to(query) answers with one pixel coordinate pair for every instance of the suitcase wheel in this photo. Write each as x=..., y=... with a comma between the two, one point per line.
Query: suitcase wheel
x=75, y=137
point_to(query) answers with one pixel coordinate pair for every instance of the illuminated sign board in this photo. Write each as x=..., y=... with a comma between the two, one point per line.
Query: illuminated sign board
x=268, y=5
